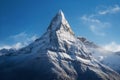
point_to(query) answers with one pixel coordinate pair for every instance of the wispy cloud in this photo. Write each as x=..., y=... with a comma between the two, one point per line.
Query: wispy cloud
x=113, y=46
x=20, y=40
x=24, y=37
x=19, y=36
x=95, y=25
x=5, y=46
x=96, y=30
x=110, y=10
x=90, y=19
x=14, y=46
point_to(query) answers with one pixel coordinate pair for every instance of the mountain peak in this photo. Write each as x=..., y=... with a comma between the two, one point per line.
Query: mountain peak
x=60, y=13
x=59, y=22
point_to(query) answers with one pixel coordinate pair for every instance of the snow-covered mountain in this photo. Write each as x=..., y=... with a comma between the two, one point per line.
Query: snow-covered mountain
x=57, y=55
x=108, y=58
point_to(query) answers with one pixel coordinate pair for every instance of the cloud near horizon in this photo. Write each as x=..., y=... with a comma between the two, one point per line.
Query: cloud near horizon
x=113, y=46
x=21, y=40
x=14, y=46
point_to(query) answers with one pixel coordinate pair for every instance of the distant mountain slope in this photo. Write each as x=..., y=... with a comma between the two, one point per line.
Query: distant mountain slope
x=57, y=55
x=108, y=58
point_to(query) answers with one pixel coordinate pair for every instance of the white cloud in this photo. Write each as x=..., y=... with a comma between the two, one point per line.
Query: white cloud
x=5, y=46
x=14, y=46
x=90, y=19
x=95, y=25
x=24, y=37
x=21, y=37
x=113, y=46
x=20, y=40
x=96, y=30
x=18, y=36
x=96, y=22
x=18, y=45
x=110, y=10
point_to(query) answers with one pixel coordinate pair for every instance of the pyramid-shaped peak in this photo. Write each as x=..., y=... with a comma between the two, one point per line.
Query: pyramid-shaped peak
x=60, y=16
x=59, y=22
x=60, y=13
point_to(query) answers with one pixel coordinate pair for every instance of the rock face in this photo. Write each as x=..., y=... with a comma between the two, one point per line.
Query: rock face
x=57, y=55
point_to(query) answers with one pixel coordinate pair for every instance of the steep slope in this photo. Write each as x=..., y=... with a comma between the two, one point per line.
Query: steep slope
x=106, y=57
x=57, y=55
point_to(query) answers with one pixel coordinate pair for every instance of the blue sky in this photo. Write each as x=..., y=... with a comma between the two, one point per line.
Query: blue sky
x=22, y=21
